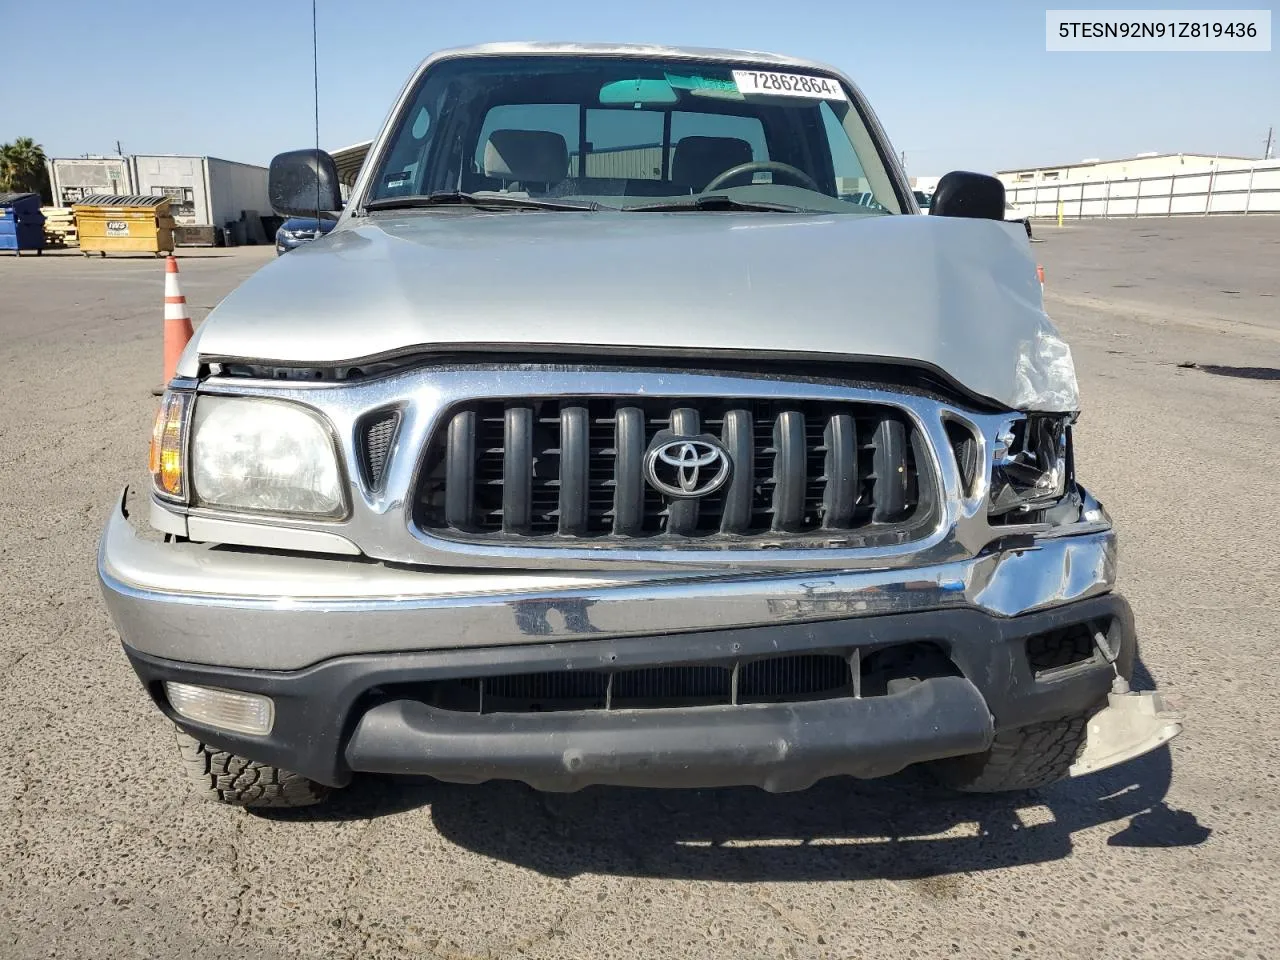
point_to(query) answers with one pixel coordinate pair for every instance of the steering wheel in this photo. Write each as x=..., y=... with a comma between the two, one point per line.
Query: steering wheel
x=795, y=174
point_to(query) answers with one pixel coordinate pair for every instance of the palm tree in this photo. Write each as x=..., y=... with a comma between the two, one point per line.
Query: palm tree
x=22, y=167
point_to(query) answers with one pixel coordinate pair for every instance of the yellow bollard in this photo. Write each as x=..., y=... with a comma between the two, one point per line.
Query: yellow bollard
x=1059, y=213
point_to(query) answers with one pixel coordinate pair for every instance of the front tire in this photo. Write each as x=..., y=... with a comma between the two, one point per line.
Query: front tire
x=222, y=777
x=1019, y=759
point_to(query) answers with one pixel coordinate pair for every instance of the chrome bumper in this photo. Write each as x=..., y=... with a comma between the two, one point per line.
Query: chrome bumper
x=254, y=610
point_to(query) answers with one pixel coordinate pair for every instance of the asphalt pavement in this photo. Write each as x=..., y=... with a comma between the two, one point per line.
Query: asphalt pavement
x=104, y=854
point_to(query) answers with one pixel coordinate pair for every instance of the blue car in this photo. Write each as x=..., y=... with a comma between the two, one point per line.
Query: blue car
x=298, y=230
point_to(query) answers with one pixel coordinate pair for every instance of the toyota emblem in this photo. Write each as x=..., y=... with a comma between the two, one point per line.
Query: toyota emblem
x=686, y=468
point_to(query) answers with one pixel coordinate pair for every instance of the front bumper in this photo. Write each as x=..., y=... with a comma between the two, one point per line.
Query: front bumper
x=255, y=609
x=356, y=714
x=340, y=645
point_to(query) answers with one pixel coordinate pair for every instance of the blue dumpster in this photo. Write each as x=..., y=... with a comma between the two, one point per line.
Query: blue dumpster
x=21, y=222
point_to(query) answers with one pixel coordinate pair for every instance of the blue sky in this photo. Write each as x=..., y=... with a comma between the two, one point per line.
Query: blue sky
x=955, y=85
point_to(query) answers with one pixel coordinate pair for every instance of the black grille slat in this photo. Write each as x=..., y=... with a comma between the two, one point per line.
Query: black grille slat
x=561, y=471
x=460, y=472
x=736, y=433
x=789, y=471
x=574, y=459
x=840, y=492
x=890, y=471
x=517, y=469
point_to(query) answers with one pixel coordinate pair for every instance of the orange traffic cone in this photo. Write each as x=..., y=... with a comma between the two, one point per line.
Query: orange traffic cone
x=1040, y=276
x=177, y=319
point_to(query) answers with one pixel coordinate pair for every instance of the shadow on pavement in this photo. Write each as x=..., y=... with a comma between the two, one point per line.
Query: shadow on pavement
x=899, y=828
x=1244, y=373
x=902, y=828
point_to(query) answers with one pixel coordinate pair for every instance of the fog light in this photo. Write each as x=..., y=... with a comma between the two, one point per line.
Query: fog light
x=225, y=709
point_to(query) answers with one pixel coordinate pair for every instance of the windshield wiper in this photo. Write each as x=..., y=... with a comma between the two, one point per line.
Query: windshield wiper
x=458, y=198
x=715, y=201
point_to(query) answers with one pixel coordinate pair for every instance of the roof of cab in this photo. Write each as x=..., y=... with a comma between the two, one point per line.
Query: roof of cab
x=551, y=48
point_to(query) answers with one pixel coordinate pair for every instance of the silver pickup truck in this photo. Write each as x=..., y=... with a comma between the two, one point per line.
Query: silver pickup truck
x=602, y=442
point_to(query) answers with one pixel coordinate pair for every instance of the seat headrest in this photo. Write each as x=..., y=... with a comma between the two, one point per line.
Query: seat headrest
x=537, y=156
x=699, y=159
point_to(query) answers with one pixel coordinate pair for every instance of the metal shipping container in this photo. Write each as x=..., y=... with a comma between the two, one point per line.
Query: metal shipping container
x=204, y=193
x=73, y=178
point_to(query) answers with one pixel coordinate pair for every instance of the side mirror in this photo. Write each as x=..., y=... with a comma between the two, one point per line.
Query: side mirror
x=964, y=194
x=302, y=181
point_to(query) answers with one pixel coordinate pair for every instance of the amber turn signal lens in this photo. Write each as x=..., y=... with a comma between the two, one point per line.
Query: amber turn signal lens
x=168, y=444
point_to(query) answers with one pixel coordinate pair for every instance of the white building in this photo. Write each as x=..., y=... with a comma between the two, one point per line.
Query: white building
x=1127, y=168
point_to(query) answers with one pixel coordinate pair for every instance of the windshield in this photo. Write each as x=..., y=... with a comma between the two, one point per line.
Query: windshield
x=631, y=133
x=923, y=199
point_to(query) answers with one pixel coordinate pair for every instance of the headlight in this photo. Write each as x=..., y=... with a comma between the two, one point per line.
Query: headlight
x=1030, y=465
x=263, y=455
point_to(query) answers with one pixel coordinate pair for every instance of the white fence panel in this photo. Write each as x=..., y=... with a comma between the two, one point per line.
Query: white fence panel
x=1264, y=193
x=1123, y=207
x=1187, y=204
x=1227, y=181
x=1237, y=190
x=1227, y=203
x=1155, y=206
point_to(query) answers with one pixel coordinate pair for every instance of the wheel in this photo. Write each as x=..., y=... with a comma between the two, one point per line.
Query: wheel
x=223, y=777
x=1019, y=759
x=84, y=252
x=102, y=254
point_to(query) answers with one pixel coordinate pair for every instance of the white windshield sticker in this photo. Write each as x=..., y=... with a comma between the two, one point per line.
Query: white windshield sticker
x=768, y=83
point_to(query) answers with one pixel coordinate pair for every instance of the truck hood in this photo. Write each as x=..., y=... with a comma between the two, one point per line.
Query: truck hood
x=959, y=297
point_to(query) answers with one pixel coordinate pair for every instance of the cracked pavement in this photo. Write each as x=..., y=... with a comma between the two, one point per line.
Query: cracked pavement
x=104, y=854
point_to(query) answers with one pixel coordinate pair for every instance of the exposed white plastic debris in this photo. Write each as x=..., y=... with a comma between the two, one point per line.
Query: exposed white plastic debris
x=1046, y=376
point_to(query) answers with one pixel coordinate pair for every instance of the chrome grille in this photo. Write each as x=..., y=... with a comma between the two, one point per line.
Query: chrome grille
x=562, y=471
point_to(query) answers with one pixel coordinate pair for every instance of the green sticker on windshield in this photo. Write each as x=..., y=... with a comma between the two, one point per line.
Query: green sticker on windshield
x=706, y=86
